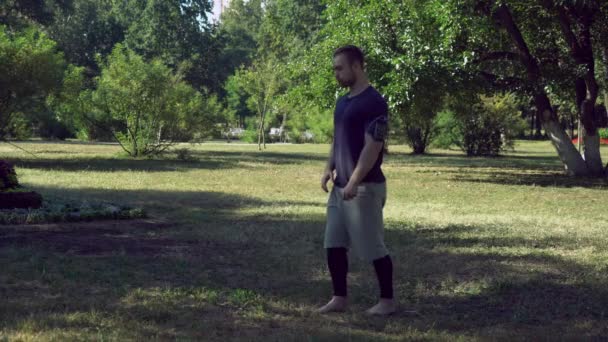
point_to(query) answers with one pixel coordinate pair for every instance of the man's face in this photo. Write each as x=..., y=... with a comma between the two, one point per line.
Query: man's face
x=344, y=72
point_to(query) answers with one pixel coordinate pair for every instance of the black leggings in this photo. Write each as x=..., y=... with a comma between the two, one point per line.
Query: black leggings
x=337, y=261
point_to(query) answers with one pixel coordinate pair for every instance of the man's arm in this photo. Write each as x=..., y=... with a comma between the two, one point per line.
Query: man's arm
x=331, y=164
x=328, y=173
x=369, y=155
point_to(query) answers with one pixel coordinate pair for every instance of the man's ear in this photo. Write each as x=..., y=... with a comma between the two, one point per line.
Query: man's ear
x=359, y=66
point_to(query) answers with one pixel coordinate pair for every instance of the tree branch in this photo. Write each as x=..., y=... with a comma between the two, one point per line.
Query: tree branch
x=504, y=16
x=566, y=26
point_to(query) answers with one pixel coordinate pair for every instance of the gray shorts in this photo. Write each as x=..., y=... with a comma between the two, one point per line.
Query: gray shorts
x=357, y=222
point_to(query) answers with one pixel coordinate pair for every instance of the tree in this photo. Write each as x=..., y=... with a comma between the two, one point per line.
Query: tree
x=261, y=84
x=86, y=29
x=20, y=14
x=289, y=31
x=236, y=98
x=534, y=47
x=30, y=69
x=152, y=106
x=411, y=56
x=238, y=33
x=176, y=32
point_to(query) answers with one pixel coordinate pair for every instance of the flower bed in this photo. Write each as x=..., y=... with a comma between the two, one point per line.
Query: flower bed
x=603, y=141
x=60, y=211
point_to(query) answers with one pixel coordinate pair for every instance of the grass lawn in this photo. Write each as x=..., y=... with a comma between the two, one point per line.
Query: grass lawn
x=503, y=248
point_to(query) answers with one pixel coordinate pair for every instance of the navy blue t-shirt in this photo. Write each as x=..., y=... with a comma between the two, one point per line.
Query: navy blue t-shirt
x=354, y=116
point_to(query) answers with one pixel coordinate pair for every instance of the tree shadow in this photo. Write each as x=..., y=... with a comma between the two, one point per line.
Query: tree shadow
x=545, y=179
x=459, y=286
x=201, y=160
x=444, y=160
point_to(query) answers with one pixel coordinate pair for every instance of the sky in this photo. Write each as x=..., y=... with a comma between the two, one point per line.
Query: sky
x=216, y=9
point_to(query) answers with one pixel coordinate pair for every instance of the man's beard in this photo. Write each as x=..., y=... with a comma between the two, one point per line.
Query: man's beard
x=347, y=83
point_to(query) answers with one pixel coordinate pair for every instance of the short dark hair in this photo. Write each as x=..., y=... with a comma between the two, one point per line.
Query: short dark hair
x=352, y=53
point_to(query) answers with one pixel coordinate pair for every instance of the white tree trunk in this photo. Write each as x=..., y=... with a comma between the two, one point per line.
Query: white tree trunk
x=573, y=162
x=592, y=154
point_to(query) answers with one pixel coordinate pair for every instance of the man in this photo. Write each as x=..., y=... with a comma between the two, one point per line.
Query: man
x=354, y=208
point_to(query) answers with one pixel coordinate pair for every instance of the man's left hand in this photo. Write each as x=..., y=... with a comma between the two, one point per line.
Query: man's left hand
x=350, y=191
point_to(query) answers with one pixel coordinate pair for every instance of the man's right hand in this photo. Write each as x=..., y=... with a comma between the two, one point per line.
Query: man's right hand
x=327, y=175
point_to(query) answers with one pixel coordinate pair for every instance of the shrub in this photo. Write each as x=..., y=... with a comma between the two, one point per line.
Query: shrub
x=449, y=130
x=146, y=105
x=250, y=136
x=8, y=176
x=184, y=154
x=481, y=125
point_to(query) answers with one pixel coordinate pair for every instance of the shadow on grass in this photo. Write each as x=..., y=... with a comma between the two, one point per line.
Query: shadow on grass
x=545, y=179
x=533, y=162
x=203, y=160
x=459, y=286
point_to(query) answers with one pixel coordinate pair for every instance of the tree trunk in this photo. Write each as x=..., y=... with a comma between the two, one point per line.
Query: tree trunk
x=260, y=134
x=572, y=123
x=159, y=134
x=283, y=136
x=263, y=129
x=539, y=124
x=587, y=89
x=415, y=136
x=532, y=121
x=573, y=162
x=592, y=156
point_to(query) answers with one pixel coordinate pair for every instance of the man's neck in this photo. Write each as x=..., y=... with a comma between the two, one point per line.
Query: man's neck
x=358, y=87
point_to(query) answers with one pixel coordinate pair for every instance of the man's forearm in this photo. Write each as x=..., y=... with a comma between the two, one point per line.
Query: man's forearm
x=331, y=165
x=366, y=161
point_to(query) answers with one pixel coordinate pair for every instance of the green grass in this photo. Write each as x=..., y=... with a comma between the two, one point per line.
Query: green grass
x=484, y=248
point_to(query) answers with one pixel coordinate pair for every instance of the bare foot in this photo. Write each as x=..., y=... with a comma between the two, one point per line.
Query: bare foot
x=383, y=308
x=336, y=304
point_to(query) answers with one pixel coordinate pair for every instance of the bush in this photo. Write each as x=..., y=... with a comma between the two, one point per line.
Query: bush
x=449, y=130
x=481, y=125
x=154, y=106
x=250, y=136
x=184, y=154
x=603, y=132
x=8, y=176
x=54, y=129
x=31, y=68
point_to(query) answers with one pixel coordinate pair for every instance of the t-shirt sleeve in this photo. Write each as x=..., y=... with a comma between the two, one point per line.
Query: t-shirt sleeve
x=376, y=124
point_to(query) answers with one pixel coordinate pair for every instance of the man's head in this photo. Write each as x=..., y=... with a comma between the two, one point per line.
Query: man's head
x=349, y=65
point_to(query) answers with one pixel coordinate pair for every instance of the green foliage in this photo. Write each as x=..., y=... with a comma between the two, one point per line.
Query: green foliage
x=481, y=125
x=262, y=84
x=239, y=34
x=19, y=14
x=603, y=133
x=151, y=106
x=412, y=57
x=250, y=136
x=236, y=98
x=30, y=69
x=86, y=29
x=178, y=33
x=448, y=130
